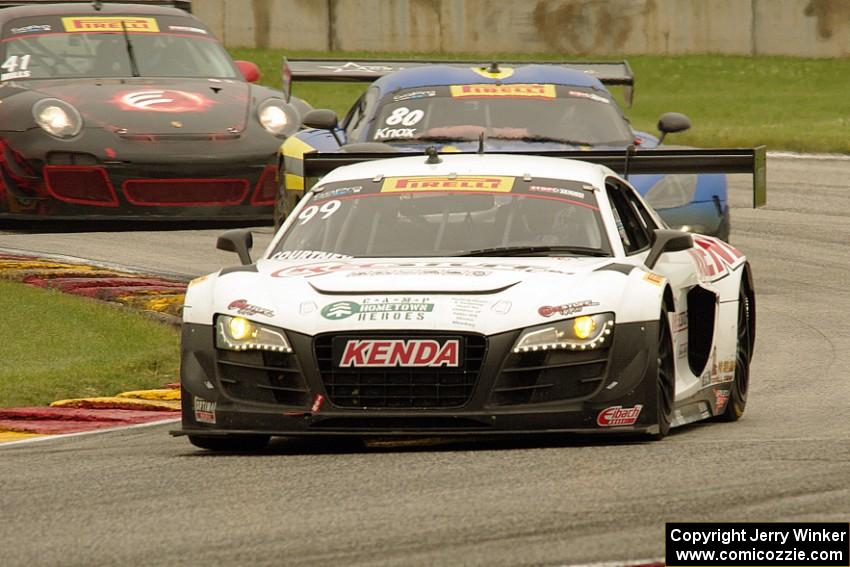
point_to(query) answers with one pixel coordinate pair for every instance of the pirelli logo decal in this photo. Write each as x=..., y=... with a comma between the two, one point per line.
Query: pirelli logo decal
x=519, y=90
x=490, y=183
x=109, y=24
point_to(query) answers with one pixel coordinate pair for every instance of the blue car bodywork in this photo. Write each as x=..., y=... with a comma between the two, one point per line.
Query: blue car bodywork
x=696, y=203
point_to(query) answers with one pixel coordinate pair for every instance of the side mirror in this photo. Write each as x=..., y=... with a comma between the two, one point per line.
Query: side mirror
x=672, y=122
x=321, y=119
x=249, y=70
x=667, y=241
x=240, y=241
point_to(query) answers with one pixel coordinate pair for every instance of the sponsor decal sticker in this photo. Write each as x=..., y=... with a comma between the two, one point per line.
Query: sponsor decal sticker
x=720, y=399
x=306, y=255
x=204, y=410
x=109, y=24
x=618, y=415
x=15, y=75
x=388, y=353
x=414, y=95
x=465, y=311
x=409, y=268
x=383, y=309
x=680, y=321
x=557, y=191
x=35, y=28
x=242, y=307
x=386, y=133
x=157, y=100
x=654, y=278
x=322, y=193
x=589, y=96
x=565, y=309
x=498, y=184
x=519, y=90
x=187, y=29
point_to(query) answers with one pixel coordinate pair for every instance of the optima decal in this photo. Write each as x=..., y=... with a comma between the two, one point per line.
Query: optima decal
x=204, y=411
x=388, y=353
x=109, y=24
x=504, y=91
x=618, y=415
x=494, y=183
x=156, y=100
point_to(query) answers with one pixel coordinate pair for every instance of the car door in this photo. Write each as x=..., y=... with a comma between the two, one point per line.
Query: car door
x=635, y=225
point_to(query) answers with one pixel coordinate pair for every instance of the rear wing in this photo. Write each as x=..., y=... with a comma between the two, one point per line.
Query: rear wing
x=611, y=73
x=657, y=160
x=182, y=4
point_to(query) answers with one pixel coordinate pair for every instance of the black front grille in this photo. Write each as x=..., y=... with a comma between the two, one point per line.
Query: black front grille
x=401, y=387
x=265, y=377
x=549, y=376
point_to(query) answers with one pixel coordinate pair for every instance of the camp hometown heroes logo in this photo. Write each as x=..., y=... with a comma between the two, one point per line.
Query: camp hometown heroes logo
x=109, y=24
x=405, y=309
x=490, y=183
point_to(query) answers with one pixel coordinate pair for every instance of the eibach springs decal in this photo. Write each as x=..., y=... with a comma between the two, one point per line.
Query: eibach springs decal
x=618, y=415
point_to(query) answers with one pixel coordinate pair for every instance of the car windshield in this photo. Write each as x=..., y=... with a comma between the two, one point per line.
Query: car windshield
x=522, y=112
x=482, y=215
x=71, y=47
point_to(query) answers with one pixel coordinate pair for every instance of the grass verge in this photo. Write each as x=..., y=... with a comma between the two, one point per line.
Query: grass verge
x=56, y=346
x=786, y=103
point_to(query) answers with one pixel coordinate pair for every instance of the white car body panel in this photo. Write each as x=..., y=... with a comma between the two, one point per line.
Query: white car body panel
x=488, y=295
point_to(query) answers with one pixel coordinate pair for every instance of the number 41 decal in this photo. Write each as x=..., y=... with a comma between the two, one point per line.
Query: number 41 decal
x=15, y=67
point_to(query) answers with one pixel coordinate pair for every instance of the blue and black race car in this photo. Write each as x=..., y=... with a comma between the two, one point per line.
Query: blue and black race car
x=411, y=105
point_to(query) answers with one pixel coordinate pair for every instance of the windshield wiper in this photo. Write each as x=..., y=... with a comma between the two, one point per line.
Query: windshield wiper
x=534, y=250
x=134, y=67
x=543, y=139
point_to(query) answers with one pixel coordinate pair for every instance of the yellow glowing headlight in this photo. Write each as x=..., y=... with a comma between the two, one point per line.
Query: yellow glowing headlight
x=580, y=333
x=241, y=328
x=238, y=333
x=583, y=327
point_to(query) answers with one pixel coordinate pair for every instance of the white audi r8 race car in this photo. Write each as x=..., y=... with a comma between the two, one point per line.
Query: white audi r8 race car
x=467, y=294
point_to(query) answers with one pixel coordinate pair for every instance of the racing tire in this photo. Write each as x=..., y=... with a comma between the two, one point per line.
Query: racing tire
x=665, y=380
x=284, y=202
x=231, y=443
x=743, y=353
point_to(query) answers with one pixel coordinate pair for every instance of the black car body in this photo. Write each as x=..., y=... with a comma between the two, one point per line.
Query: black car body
x=132, y=111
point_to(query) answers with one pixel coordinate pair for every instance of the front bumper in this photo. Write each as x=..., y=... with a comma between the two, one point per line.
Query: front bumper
x=105, y=176
x=293, y=395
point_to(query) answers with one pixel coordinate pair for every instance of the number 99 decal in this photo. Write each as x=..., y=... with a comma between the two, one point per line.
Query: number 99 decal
x=326, y=210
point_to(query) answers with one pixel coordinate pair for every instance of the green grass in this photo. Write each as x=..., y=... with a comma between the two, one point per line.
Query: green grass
x=783, y=102
x=56, y=346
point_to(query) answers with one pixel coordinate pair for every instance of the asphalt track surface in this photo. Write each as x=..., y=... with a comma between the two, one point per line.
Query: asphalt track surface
x=139, y=497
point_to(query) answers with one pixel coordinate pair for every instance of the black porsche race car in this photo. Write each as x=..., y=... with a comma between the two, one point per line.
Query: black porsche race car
x=132, y=111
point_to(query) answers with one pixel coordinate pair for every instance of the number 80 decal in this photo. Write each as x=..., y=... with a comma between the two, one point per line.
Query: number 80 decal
x=404, y=116
x=326, y=210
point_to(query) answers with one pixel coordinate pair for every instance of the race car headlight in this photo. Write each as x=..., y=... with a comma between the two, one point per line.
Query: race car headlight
x=672, y=191
x=57, y=117
x=239, y=333
x=579, y=333
x=277, y=117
